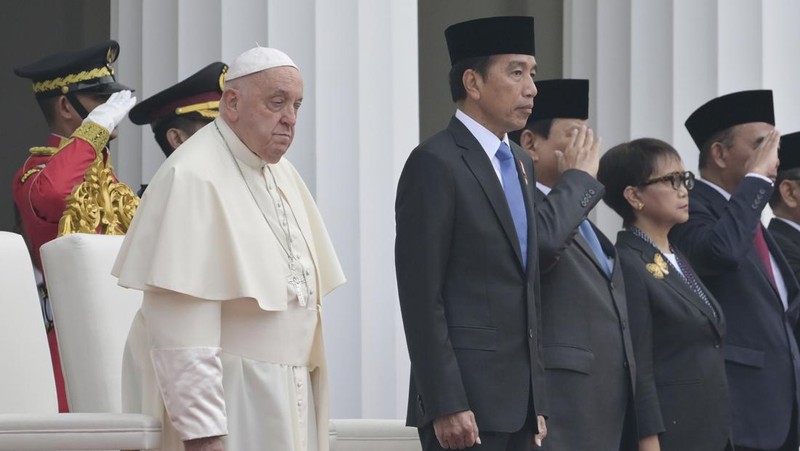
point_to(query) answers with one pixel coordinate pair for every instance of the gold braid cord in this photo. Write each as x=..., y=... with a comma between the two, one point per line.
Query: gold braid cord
x=99, y=204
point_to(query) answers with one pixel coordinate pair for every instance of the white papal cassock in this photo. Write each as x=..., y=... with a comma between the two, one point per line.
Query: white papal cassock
x=228, y=340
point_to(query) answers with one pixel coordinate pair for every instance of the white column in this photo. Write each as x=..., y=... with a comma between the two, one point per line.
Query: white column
x=652, y=62
x=357, y=125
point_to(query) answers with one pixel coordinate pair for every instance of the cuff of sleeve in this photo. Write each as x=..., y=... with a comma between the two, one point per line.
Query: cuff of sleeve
x=94, y=134
x=190, y=380
x=753, y=174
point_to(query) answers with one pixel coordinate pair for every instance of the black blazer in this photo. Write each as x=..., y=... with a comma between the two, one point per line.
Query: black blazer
x=469, y=305
x=587, y=349
x=760, y=349
x=682, y=389
x=788, y=239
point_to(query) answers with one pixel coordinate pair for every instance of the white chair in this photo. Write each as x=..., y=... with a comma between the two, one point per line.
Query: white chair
x=373, y=435
x=92, y=316
x=28, y=407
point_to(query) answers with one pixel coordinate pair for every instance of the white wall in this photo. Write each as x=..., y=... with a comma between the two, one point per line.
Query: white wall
x=652, y=62
x=358, y=123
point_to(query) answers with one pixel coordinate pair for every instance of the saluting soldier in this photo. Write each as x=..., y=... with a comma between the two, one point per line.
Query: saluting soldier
x=82, y=104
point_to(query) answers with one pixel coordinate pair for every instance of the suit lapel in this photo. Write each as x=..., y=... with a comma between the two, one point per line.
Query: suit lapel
x=675, y=281
x=786, y=271
x=580, y=241
x=717, y=203
x=480, y=166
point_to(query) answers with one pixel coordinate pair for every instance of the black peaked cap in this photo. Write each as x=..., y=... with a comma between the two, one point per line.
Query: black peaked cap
x=82, y=70
x=200, y=89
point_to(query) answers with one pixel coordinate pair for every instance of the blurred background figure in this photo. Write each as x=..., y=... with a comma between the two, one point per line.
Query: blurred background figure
x=177, y=112
x=785, y=201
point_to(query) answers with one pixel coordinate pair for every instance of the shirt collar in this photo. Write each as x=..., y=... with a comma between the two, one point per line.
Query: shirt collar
x=543, y=188
x=486, y=139
x=719, y=189
x=239, y=150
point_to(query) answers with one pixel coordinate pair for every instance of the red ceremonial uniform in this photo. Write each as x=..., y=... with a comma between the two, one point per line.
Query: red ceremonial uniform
x=41, y=187
x=43, y=183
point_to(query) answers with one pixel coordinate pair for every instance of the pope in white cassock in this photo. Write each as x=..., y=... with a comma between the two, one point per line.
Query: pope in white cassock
x=233, y=259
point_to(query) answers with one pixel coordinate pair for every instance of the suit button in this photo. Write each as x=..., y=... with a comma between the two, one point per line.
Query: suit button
x=530, y=333
x=716, y=344
x=625, y=364
x=762, y=191
x=624, y=324
x=612, y=285
x=584, y=203
x=592, y=192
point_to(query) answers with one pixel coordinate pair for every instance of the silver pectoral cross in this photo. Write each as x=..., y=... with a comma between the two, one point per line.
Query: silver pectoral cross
x=297, y=281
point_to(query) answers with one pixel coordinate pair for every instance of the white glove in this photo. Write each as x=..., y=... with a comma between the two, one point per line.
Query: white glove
x=111, y=113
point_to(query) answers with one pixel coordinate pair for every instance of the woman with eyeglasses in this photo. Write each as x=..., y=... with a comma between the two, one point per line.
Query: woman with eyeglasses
x=676, y=325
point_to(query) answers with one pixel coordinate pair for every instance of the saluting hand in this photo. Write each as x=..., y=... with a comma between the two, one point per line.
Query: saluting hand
x=113, y=111
x=457, y=431
x=764, y=160
x=583, y=152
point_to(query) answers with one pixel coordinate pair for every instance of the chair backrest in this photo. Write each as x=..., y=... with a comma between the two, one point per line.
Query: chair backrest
x=26, y=381
x=92, y=315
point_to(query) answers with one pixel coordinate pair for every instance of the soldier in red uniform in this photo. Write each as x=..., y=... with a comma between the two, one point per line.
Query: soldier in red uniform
x=83, y=104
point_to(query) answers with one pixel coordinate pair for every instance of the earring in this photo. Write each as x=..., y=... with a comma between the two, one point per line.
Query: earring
x=639, y=206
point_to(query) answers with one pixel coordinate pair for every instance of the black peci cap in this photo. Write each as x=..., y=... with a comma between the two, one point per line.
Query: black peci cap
x=732, y=109
x=200, y=93
x=83, y=70
x=789, y=153
x=490, y=36
x=562, y=98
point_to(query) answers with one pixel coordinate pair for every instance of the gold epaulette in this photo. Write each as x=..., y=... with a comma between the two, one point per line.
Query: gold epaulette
x=92, y=133
x=43, y=151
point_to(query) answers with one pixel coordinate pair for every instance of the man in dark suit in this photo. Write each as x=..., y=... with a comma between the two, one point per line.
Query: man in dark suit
x=587, y=349
x=743, y=267
x=466, y=255
x=785, y=201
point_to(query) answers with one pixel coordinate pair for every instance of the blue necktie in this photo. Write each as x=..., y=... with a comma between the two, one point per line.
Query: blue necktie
x=588, y=234
x=514, y=197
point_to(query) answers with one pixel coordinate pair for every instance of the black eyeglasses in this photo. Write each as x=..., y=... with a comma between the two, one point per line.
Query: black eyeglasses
x=676, y=179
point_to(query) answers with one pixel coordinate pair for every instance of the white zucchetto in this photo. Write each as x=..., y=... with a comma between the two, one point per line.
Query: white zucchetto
x=256, y=60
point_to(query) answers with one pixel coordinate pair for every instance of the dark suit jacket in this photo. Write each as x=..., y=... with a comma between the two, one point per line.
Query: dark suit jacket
x=470, y=307
x=682, y=389
x=587, y=349
x=760, y=349
x=788, y=239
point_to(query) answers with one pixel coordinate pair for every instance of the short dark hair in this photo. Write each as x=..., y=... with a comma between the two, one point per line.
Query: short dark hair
x=48, y=107
x=540, y=128
x=630, y=164
x=183, y=122
x=723, y=136
x=787, y=174
x=479, y=64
